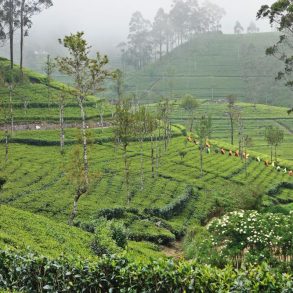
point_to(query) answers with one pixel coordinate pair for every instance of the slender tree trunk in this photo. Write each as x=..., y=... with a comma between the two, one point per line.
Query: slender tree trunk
x=126, y=173
x=232, y=129
x=191, y=122
x=6, y=143
x=152, y=157
x=201, y=160
x=11, y=109
x=141, y=165
x=11, y=42
x=84, y=141
x=102, y=121
x=62, y=135
x=275, y=153
x=75, y=208
x=21, y=36
x=165, y=135
x=271, y=153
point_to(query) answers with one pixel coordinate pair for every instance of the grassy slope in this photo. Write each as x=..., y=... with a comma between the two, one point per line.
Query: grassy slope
x=32, y=103
x=216, y=66
x=22, y=230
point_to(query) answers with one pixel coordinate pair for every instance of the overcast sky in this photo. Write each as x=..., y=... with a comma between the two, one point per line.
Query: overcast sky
x=106, y=21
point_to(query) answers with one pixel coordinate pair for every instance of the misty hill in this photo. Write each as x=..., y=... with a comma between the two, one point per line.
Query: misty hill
x=213, y=66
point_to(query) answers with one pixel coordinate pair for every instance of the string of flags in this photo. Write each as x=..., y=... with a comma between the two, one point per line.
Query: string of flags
x=244, y=155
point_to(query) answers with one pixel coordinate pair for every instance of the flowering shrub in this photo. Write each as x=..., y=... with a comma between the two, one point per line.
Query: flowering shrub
x=249, y=236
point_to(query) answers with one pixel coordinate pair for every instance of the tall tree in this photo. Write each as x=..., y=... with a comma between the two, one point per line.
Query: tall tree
x=124, y=130
x=280, y=15
x=232, y=113
x=159, y=30
x=190, y=104
x=76, y=177
x=212, y=15
x=203, y=131
x=252, y=28
x=118, y=87
x=28, y=8
x=144, y=125
x=139, y=42
x=9, y=18
x=88, y=74
x=238, y=28
x=274, y=137
x=164, y=112
x=49, y=69
x=179, y=18
x=5, y=114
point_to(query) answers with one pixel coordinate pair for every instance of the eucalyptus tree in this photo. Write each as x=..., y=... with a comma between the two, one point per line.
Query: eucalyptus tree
x=159, y=30
x=145, y=125
x=252, y=28
x=124, y=131
x=280, y=15
x=274, y=137
x=29, y=8
x=10, y=22
x=5, y=114
x=164, y=113
x=119, y=86
x=232, y=113
x=179, y=18
x=49, y=68
x=190, y=104
x=88, y=75
x=76, y=176
x=101, y=107
x=238, y=28
x=203, y=131
x=139, y=40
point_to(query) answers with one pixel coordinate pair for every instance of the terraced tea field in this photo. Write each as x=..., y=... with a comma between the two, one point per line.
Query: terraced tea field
x=36, y=180
x=255, y=119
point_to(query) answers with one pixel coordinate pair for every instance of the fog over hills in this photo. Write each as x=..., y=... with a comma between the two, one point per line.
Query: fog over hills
x=106, y=22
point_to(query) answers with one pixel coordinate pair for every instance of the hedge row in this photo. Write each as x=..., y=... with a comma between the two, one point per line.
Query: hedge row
x=31, y=273
x=40, y=142
x=277, y=189
x=173, y=208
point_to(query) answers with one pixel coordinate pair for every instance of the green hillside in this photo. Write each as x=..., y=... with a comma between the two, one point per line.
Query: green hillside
x=35, y=179
x=214, y=66
x=22, y=230
x=169, y=197
x=34, y=101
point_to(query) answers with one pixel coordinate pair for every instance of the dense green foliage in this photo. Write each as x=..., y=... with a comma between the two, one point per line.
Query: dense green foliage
x=244, y=237
x=159, y=211
x=31, y=273
x=22, y=230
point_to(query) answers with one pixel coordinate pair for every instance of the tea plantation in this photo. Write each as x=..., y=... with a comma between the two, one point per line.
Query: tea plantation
x=213, y=66
x=166, y=201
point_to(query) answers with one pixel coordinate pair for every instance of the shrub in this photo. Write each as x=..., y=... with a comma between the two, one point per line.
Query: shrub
x=252, y=237
x=110, y=237
x=31, y=273
x=174, y=207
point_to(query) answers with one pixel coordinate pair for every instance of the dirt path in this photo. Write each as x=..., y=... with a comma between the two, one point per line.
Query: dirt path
x=51, y=126
x=175, y=250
